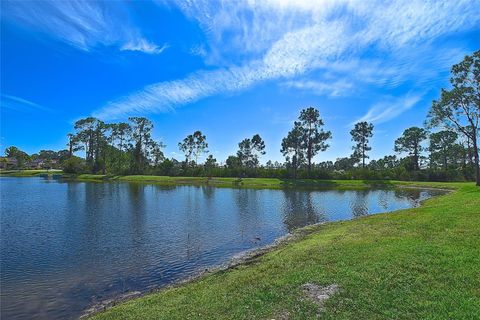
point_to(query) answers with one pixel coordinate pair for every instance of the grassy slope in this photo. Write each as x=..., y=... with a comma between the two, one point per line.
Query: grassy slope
x=421, y=263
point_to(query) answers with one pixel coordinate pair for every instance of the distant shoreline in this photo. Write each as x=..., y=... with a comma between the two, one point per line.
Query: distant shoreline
x=232, y=182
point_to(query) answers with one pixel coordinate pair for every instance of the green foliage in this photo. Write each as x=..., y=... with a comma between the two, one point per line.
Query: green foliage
x=346, y=163
x=13, y=152
x=313, y=135
x=360, y=134
x=249, y=151
x=459, y=108
x=168, y=167
x=20, y=156
x=74, y=144
x=442, y=147
x=293, y=144
x=210, y=164
x=411, y=142
x=87, y=134
x=74, y=165
x=305, y=140
x=142, y=142
x=121, y=135
x=193, y=146
x=233, y=162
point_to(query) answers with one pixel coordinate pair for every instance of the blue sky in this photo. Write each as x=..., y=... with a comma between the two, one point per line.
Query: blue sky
x=230, y=69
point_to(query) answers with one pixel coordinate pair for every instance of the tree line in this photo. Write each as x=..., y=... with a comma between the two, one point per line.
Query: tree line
x=451, y=128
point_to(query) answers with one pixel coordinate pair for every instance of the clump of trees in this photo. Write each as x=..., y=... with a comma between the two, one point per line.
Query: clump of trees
x=194, y=145
x=411, y=142
x=305, y=140
x=250, y=150
x=246, y=163
x=114, y=148
x=45, y=159
x=293, y=146
x=458, y=109
x=445, y=149
x=19, y=155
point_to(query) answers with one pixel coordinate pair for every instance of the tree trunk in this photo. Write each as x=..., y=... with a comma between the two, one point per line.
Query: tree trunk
x=309, y=155
x=310, y=149
x=104, y=167
x=475, y=154
x=416, y=156
x=464, y=163
x=470, y=156
x=363, y=158
x=294, y=167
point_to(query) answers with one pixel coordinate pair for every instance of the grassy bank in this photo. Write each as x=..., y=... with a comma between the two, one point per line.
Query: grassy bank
x=270, y=183
x=232, y=182
x=29, y=173
x=421, y=263
x=261, y=183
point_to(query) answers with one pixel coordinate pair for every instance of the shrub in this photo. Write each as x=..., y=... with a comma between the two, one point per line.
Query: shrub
x=74, y=165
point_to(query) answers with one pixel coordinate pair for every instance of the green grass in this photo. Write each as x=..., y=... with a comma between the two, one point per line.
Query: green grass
x=263, y=183
x=271, y=183
x=28, y=173
x=421, y=263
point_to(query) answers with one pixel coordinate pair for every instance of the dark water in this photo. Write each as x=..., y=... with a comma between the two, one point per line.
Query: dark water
x=68, y=245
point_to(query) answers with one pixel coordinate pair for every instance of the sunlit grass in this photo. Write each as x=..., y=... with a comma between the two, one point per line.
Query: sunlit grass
x=28, y=173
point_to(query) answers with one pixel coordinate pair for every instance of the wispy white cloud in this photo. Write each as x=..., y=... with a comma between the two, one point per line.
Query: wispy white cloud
x=286, y=58
x=144, y=46
x=419, y=68
x=198, y=50
x=165, y=95
x=286, y=39
x=244, y=27
x=332, y=89
x=20, y=104
x=389, y=108
x=83, y=24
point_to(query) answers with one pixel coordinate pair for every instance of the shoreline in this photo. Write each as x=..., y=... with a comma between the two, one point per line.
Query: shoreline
x=369, y=258
x=243, y=258
x=241, y=183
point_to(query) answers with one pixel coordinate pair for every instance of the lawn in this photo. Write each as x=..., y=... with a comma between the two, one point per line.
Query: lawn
x=421, y=263
x=29, y=173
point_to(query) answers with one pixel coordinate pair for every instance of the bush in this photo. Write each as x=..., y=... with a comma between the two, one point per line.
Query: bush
x=74, y=165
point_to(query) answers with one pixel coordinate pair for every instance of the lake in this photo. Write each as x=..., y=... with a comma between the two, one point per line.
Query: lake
x=66, y=246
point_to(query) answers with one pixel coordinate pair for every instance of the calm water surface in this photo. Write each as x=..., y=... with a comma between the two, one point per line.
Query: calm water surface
x=68, y=245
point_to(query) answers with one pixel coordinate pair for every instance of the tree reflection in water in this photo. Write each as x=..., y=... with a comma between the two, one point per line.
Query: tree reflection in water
x=299, y=210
